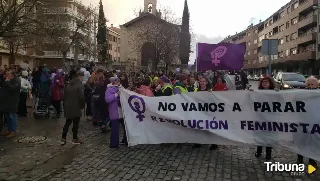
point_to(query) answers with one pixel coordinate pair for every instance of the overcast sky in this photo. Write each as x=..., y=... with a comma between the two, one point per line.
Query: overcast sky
x=211, y=20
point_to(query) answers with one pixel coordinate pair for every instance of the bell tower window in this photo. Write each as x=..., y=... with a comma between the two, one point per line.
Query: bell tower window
x=149, y=8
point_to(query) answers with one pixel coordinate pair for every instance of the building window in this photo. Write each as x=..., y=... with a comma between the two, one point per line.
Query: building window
x=287, y=24
x=294, y=36
x=248, y=43
x=270, y=33
x=248, y=34
x=282, y=14
x=288, y=10
x=255, y=41
x=282, y=28
x=293, y=51
x=261, y=38
x=295, y=5
x=294, y=21
x=280, y=54
x=255, y=51
x=248, y=52
x=256, y=31
x=266, y=25
x=287, y=38
x=281, y=41
x=287, y=52
x=110, y=46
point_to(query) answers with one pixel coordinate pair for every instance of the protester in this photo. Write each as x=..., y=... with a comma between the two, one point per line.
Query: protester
x=193, y=85
x=265, y=83
x=112, y=97
x=182, y=87
x=88, y=88
x=10, y=101
x=56, y=90
x=25, y=88
x=312, y=83
x=101, y=107
x=145, y=88
x=220, y=85
x=74, y=102
x=164, y=88
x=203, y=86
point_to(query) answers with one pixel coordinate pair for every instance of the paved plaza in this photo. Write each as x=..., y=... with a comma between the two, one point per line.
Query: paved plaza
x=36, y=154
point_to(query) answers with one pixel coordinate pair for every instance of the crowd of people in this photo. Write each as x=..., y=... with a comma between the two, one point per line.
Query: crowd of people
x=98, y=93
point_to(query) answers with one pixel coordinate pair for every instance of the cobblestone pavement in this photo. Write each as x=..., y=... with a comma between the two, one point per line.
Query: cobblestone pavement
x=19, y=158
x=173, y=162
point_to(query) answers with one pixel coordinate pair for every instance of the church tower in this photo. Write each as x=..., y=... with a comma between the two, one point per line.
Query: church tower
x=150, y=6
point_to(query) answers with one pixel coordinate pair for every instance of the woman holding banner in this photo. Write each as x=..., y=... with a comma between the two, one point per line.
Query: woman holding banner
x=266, y=83
x=203, y=86
x=312, y=83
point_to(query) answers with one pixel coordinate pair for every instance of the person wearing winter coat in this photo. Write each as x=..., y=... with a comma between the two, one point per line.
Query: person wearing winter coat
x=112, y=97
x=9, y=103
x=74, y=102
x=312, y=83
x=25, y=88
x=220, y=85
x=56, y=90
x=145, y=88
x=100, y=104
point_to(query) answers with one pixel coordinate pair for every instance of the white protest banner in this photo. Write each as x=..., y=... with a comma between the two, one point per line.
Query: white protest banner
x=287, y=119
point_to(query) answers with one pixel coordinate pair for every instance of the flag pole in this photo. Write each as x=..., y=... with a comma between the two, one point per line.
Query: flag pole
x=196, y=61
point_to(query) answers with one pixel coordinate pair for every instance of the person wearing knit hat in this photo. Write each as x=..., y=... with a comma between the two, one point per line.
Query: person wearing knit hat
x=164, y=88
x=179, y=89
x=25, y=88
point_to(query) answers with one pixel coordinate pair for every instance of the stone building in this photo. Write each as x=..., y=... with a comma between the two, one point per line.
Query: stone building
x=142, y=36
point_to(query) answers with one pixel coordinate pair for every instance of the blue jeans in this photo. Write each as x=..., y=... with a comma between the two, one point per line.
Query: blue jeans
x=12, y=121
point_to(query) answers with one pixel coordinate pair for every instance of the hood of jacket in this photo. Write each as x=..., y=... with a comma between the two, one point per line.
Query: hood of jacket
x=112, y=88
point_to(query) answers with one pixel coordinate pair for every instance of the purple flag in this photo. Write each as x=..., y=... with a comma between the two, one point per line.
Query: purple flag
x=222, y=56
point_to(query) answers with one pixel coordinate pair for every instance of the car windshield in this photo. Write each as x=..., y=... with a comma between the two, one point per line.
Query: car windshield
x=293, y=77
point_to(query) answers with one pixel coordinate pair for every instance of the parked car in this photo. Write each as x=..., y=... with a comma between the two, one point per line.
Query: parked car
x=290, y=80
x=249, y=77
x=256, y=78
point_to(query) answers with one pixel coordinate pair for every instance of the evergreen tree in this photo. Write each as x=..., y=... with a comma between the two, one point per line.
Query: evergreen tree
x=185, y=37
x=102, y=35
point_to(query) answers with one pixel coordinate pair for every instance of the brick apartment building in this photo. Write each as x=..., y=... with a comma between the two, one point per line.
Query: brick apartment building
x=295, y=27
x=66, y=12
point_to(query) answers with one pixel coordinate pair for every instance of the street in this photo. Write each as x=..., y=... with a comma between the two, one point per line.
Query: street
x=36, y=154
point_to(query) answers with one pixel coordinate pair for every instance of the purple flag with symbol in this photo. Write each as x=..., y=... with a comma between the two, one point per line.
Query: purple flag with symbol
x=222, y=56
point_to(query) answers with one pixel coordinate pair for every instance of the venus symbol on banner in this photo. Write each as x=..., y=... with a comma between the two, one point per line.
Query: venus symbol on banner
x=218, y=53
x=137, y=105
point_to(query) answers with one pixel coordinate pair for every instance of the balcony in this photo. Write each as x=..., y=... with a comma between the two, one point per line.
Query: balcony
x=307, y=4
x=306, y=38
x=308, y=21
x=55, y=54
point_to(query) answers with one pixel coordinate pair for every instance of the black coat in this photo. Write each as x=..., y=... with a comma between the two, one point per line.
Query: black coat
x=9, y=95
x=101, y=103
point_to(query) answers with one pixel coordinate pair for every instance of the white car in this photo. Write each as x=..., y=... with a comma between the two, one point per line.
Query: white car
x=256, y=78
x=249, y=77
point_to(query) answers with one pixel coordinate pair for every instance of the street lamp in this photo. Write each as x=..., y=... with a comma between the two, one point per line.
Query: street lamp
x=317, y=7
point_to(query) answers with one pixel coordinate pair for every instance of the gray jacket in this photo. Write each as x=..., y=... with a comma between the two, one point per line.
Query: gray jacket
x=74, y=100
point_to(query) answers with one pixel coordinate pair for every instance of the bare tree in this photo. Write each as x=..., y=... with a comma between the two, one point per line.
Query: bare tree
x=163, y=33
x=17, y=25
x=62, y=29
